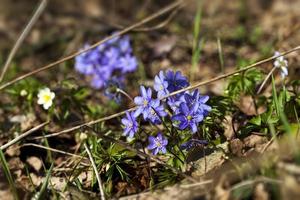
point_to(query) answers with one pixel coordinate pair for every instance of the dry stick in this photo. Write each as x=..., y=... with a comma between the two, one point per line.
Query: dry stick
x=121, y=32
x=269, y=143
x=142, y=154
x=20, y=137
x=23, y=35
x=173, y=93
x=266, y=79
x=251, y=182
x=96, y=171
x=51, y=149
x=156, y=27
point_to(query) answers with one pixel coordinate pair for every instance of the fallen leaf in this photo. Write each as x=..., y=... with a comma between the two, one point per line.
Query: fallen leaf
x=13, y=151
x=253, y=141
x=236, y=147
x=34, y=162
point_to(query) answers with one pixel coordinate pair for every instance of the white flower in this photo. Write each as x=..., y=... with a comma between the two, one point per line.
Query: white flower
x=23, y=93
x=281, y=63
x=45, y=98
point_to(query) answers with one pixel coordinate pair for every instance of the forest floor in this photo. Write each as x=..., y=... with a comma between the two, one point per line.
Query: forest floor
x=251, y=148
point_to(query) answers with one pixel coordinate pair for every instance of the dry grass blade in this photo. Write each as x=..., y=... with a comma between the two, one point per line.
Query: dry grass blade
x=95, y=170
x=121, y=32
x=20, y=137
x=174, y=93
x=23, y=35
x=52, y=149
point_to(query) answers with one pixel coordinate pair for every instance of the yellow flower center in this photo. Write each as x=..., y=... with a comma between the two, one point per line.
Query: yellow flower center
x=189, y=117
x=158, y=144
x=46, y=98
x=145, y=102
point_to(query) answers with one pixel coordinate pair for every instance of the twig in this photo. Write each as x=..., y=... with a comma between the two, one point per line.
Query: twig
x=86, y=124
x=156, y=27
x=252, y=182
x=96, y=171
x=51, y=149
x=23, y=35
x=269, y=143
x=172, y=94
x=196, y=184
x=121, y=32
x=232, y=73
x=267, y=78
x=20, y=137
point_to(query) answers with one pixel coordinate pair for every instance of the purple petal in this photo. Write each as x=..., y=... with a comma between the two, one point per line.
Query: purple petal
x=138, y=100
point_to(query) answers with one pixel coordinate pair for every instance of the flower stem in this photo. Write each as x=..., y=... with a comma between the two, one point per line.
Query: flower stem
x=125, y=94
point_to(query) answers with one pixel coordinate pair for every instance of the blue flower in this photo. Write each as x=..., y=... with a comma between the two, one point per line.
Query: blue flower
x=161, y=85
x=156, y=112
x=176, y=81
x=195, y=99
x=111, y=89
x=113, y=57
x=100, y=76
x=193, y=143
x=157, y=144
x=124, y=45
x=144, y=102
x=127, y=63
x=188, y=117
x=281, y=63
x=86, y=62
x=131, y=125
x=174, y=103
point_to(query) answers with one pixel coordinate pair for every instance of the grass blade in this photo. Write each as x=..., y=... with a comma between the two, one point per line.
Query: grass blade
x=40, y=195
x=197, y=46
x=8, y=175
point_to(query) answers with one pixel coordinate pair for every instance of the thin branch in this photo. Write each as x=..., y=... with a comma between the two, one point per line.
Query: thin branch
x=51, y=149
x=235, y=72
x=252, y=182
x=196, y=184
x=172, y=94
x=121, y=32
x=20, y=137
x=269, y=143
x=156, y=27
x=96, y=171
x=23, y=35
x=266, y=79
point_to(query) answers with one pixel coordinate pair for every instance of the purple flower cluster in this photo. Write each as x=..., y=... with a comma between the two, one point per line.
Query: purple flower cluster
x=112, y=58
x=192, y=110
x=187, y=109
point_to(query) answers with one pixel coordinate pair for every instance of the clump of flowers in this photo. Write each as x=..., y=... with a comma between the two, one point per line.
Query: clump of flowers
x=282, y=64
x=45, y=98
x=184, y=111
x=113, y=58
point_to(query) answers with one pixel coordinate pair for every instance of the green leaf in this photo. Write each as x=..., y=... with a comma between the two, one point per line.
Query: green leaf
x=256, y=120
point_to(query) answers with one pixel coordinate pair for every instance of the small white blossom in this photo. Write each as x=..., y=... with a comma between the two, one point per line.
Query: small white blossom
x=282, y=64
x=45, y=98
x=23, y=93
